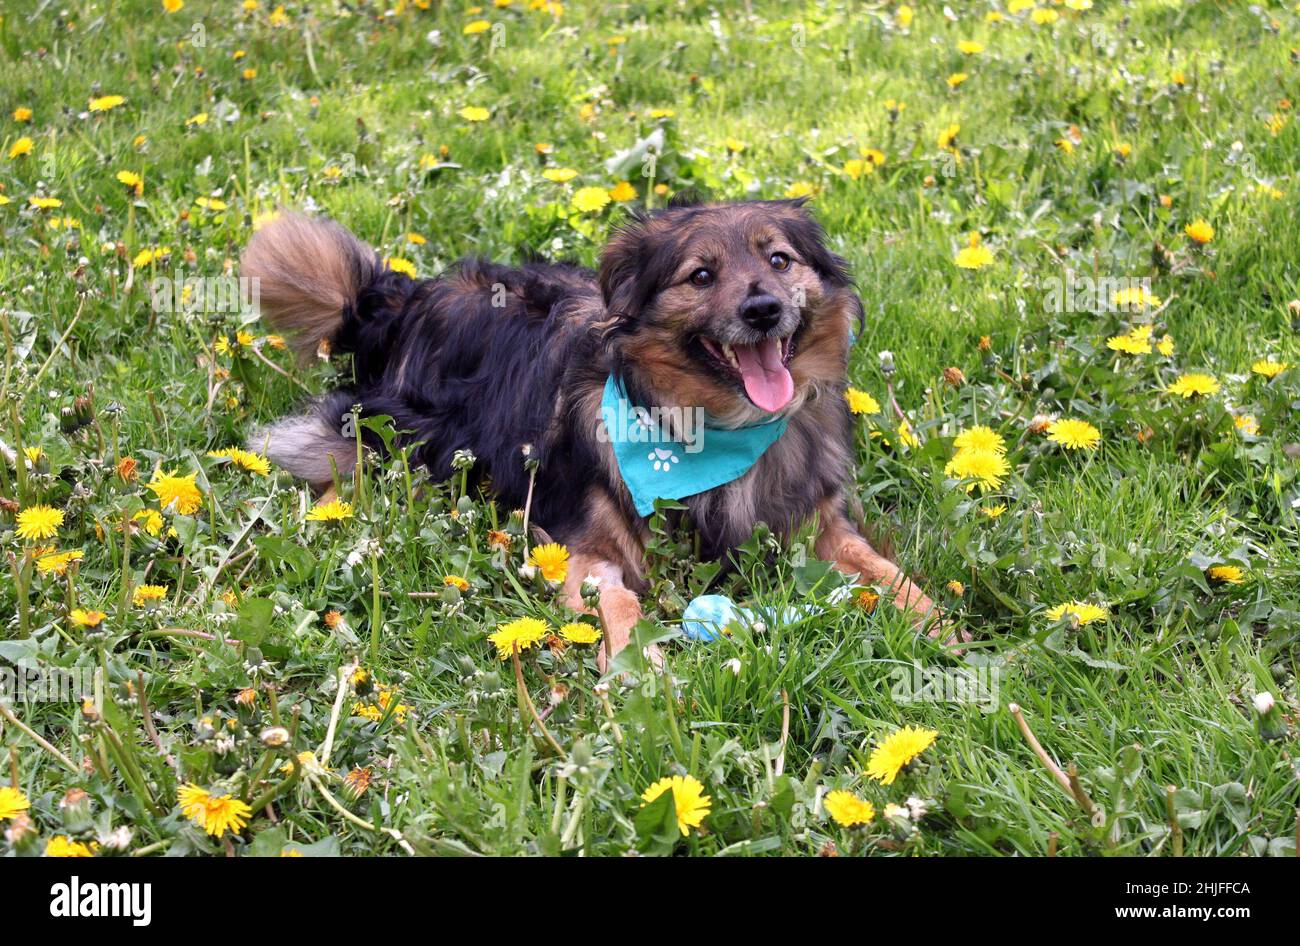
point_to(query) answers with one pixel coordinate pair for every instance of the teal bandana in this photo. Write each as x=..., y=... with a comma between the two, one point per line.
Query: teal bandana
x=654, y=467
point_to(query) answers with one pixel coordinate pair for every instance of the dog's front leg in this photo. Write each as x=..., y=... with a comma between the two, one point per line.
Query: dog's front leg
x=617, y=606
x=840, y=543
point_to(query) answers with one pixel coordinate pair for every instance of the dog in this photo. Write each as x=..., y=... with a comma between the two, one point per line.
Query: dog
x=737, y=310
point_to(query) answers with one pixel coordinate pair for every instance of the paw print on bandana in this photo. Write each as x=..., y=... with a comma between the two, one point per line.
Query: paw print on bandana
x=662, y=459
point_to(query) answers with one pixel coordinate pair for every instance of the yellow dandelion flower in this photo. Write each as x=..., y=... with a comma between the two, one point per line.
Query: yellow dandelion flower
x=1200, y=231
x=333, y=511
x=956, y=79
x=992, y=512
x=148, y=595
x=985, y=468
x=22, y=114
x=131, y=181
x=12, y=802
x=1269, y=368
x=150, y=520
x=39, y=522
x=559, y=175
x=474, y=113
x=896, y=751
x=980, y=438
x=948, y=136
x=689, y=800
x=1134, y=297
x=63, y=846
x=401, y=265
x=552, y=560
x=974, y=255
x=799, y=189
x=860, y=402
x=855, y=168
x=905, y=435
x=521, y=633
x=195, y=120
x=173, y=6
x=1226, y=574
x=21, y=147
x=903, y=15
x=590, y=199
x=1247, y=424
x=1129, y=344
x=1044, y=16
x=455, y=581
x=1191, y=385
x=1074, y=434
x=476, y=26
x=87, y=617
x=1079, y=611
x=56, y=563
x=176, y=494
x=956, y=587
x=970, y=47
x=1166, y=346
x=105, y=103
x=215, y=814
x=576, y=632
x=244, y=459
x=622, y=192
x=848, y=809
x=45, y=203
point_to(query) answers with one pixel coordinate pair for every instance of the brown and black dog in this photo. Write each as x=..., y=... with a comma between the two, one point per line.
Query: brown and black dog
x=738, y=309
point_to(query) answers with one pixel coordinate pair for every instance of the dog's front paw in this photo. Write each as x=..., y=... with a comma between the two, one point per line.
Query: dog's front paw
x=929, y=617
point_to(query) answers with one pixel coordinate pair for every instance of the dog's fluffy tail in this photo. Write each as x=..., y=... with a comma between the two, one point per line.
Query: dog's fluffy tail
x=312, y=446
x=309, y=273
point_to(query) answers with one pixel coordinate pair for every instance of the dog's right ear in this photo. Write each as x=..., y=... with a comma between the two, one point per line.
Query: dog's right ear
x=620, y=264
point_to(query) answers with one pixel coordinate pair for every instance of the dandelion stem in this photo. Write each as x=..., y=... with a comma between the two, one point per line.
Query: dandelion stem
x=20, y=589
x=1038, y=750
x=8, y=714
x=526, y=702
x=1175, y=829
x=328, y=745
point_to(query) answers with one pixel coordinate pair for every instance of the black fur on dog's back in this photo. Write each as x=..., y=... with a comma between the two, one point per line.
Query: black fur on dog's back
x=476, y=360
x=479, y=360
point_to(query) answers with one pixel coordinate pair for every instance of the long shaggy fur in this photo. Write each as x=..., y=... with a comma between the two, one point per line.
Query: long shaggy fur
x=308, y=274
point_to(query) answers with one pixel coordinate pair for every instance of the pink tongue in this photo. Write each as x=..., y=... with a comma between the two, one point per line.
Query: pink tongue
x=767, y=381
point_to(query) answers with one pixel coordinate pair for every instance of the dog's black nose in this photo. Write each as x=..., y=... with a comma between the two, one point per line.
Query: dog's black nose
x=761, y=311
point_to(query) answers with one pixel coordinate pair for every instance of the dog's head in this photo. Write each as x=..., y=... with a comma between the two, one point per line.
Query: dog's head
x=737, y=308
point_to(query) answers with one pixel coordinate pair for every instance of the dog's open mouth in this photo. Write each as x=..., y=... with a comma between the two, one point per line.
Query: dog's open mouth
x=762, y=367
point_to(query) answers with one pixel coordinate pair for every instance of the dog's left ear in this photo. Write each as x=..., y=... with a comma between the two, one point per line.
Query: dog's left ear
x=809, y=241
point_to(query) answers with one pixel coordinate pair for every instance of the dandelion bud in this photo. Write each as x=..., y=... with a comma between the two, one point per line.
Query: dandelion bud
x=463, y=459
x=957, y=588
x=887, y=363
x=75, y=809
x=985, y=343
x=954, y=377
x=127, y=470
x=274, y=737
x=20, y=831
x=1040, y=423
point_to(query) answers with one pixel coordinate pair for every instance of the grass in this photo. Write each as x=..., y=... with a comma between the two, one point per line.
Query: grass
x=354, y=111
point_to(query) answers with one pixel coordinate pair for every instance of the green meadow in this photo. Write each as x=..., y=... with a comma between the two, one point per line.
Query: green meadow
x=1074, y=230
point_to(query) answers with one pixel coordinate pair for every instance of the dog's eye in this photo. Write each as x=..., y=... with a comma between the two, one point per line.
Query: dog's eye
x=702, y=277
x=779, y=261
